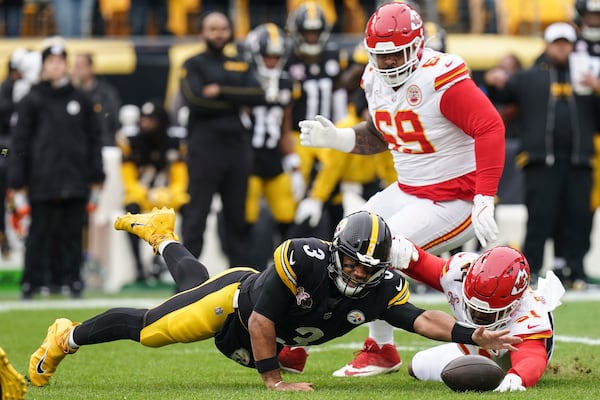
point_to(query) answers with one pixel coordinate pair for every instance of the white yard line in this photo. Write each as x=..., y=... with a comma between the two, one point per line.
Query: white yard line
x=53, y=304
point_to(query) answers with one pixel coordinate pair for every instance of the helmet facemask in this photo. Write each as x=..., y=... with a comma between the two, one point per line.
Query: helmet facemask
x=479, y=313
x=366, y=239
x=395, y=77
x=346, y=284
x=395, y=28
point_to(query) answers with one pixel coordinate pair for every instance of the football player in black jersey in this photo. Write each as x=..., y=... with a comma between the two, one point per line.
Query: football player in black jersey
x=315, y=291
x=315, y=65
x=275, y=176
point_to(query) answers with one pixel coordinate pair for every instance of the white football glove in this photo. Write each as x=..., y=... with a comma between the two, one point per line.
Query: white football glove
x=321, y=132
x=291, y=165
x=483, y=220
x=310, y=209
x=403, y=252
x=511, y=383
x=298, y=185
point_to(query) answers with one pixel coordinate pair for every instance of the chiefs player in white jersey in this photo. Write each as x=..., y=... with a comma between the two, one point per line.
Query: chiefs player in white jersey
x=490, y=290
x=447, y=141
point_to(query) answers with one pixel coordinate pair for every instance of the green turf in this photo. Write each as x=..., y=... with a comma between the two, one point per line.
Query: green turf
x=127, y=370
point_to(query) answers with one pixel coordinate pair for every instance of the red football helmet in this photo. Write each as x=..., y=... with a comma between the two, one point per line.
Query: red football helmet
x=395, y=28
x=493, y=287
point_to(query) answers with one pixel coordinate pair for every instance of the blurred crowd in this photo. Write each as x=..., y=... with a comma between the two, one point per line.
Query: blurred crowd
x=232, y=129
x=86, y=18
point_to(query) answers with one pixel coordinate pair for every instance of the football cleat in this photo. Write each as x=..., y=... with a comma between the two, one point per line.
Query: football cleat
x=292, y=359
x=12, y=383
x=372, y=360
x=45, y=360
x=154, y=227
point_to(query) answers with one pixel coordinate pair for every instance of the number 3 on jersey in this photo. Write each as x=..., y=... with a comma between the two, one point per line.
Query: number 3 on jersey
x=403, y=131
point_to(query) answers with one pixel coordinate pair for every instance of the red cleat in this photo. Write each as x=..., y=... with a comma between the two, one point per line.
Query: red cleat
x=372, y=360
x=293, y=359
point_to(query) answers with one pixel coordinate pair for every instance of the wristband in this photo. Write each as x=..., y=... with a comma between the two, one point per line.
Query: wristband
x=266, y=364
x=345, y=140
x=462, y=334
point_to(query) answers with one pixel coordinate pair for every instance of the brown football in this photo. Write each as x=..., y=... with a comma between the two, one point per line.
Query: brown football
x=472, y=372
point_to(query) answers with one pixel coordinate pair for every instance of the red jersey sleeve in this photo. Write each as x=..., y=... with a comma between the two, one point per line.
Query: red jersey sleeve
x=467, y=107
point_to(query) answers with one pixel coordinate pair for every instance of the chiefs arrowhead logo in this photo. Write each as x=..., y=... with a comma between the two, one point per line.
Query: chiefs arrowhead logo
x=521, y=282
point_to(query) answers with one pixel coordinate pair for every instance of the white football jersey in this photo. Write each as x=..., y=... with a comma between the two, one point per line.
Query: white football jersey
x=427, y=148
x=530, y=319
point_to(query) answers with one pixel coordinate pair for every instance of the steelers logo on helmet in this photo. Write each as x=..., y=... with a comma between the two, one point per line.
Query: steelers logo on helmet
x=365, y=238
x=493, y=287
x=395, y=28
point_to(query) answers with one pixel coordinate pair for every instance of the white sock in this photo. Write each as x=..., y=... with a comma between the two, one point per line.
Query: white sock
x=71, y=341
x=161, y=247
x=381, y=332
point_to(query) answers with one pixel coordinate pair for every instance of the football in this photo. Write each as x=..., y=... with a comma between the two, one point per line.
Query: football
x=472, y=372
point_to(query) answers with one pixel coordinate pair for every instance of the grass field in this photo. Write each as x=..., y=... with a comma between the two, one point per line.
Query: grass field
x=127, y=370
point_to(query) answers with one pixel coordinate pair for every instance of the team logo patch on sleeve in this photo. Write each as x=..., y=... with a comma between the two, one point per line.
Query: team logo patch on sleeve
x=303, y=298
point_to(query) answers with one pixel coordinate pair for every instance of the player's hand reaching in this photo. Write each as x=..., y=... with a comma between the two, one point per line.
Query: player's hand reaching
x=403, y=252
x=483, y=219
x=511, y=383
x=495, y=340
x=309, y=209
x=293, y=387
x=321, y=132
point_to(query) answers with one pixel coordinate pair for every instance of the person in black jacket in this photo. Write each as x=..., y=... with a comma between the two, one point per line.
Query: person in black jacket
x=558, y=126
x=106, y=97
x=7, y=107
x=54, y=162
x=216, y=84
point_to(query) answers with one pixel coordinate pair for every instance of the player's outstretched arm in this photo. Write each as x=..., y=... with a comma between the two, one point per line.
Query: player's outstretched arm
x=438, y=325
x=264, y=349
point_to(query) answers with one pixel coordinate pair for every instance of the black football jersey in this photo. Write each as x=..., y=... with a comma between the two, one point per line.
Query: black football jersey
x=316, y=82
x=309, y=309
x=266, y=132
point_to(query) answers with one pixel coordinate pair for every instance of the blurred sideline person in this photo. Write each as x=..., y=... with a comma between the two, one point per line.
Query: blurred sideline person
x=316, y=65
x=558, y=116
x=56, y=168
x=106, y=97
x=325, y=289
x=218, y=87
x=153, y=172
x=7, y=108
x=276, y=178
x=490, y=290
x=447, y=141
x=12, y=384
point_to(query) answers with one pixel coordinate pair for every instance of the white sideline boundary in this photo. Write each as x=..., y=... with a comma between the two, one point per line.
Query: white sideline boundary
x=59, y=304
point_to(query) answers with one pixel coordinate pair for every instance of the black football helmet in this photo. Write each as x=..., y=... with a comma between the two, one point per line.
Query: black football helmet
x=366, y=238
x=267, y=40
x=582, y=7
x=308, y=16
